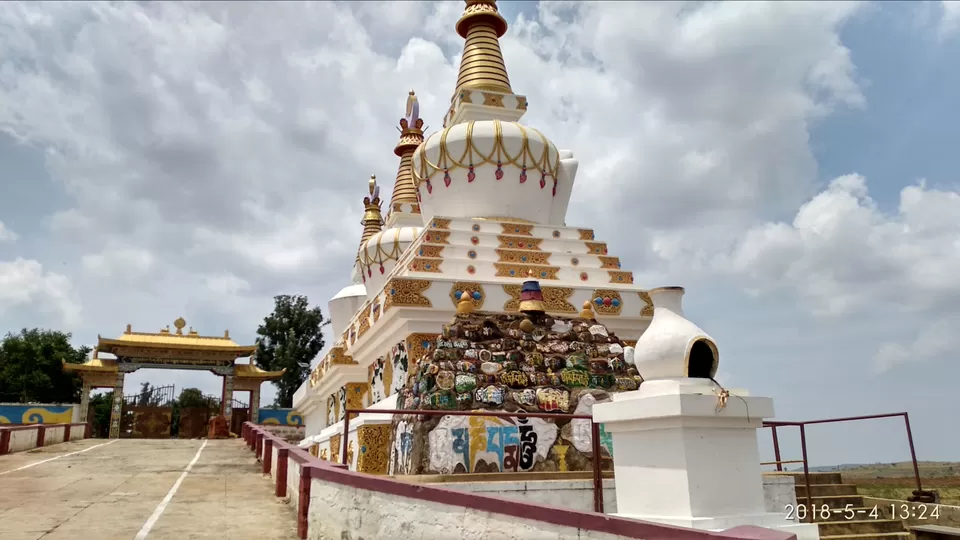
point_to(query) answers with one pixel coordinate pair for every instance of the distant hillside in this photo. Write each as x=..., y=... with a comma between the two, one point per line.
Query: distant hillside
x=928, y=469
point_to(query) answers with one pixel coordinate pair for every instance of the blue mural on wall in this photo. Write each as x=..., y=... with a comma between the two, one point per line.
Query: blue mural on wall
x=16, y=413
x=280, y=417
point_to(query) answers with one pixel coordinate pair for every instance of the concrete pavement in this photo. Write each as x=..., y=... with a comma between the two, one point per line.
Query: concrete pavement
x=122, y=490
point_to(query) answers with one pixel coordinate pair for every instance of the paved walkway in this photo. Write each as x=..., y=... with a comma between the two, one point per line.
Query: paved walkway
x=125, y=490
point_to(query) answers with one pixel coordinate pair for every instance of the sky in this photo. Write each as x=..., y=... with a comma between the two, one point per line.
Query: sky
x=791, y=164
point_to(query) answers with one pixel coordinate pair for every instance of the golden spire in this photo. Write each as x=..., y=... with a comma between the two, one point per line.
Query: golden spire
x=411, y=136
x=372, y=219
x=482, y=64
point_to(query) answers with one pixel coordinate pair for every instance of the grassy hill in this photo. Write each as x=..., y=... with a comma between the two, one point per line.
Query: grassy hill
x=896, y=480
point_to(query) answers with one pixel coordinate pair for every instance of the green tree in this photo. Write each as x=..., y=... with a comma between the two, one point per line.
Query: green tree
x=290, y=338
x=31, y=367
x=100, y=405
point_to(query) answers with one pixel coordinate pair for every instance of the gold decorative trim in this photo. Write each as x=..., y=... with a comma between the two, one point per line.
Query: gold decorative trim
x=519, y=242
x=436, y=237
x=338, y=355
x=520, y=256
x=609, y=262
x=492, y=100
x=620, y=277
x=364, y=321
x=375, y=309
x=406, y=292
x=603, y=308
x=522, y=271
x=416, y=348
x=470, y=287
x=374, y=441
x=517, y=229
x=423, y=264
x=555, y=299
x=440, y=223
x=546, y=161
x=355, y=393
x=430, y=252
x=335, y=448
x=464, y=97
x=586, y=234
x=630, y=342
x=596, y=248
x=521, y=103
x=647, y=310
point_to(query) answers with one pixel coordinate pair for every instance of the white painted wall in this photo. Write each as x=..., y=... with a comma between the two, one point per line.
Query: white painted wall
x=338, y=511
x=778, y=492
x=54, y=435
x=23, y=439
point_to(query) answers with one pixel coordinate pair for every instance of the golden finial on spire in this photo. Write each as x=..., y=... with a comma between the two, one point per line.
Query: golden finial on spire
x=482, y=67
x=411, y=136
x=179, y=324
x=372, y=219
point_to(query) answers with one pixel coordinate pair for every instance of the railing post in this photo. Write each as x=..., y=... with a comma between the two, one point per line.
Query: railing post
x=806, y=472
x=66, y=432
x=776, y=448
x=283, y=456
x=303, y=502
x=259, y=445
x=597, y=477
x=88, y=430
x=41, y=435
x=346, y=436
x=267, y=455
x=4, y=441
x=913, y=452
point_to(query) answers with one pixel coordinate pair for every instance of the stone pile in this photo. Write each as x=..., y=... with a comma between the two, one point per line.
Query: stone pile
x=510, y=362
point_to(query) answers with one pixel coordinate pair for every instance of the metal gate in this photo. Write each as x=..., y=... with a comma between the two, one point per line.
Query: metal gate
x=148, y=415
x=195, y=420
x=239, y=414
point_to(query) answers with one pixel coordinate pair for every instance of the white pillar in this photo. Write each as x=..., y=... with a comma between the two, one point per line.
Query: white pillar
x=680, y=461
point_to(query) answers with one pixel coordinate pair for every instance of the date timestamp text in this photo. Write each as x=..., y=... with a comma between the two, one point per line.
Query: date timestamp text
x=801, y=512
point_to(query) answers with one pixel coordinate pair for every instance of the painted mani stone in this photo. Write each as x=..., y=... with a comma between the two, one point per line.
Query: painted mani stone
x=501, y=362
x=466, y=443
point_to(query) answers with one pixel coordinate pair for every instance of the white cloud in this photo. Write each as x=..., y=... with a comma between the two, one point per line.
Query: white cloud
x=950, y=18
x=6, y=235
x=32, y=293
x=933, y=342
x=842, y=254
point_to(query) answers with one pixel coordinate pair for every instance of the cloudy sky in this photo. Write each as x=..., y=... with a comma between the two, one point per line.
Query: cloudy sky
x=794, y=165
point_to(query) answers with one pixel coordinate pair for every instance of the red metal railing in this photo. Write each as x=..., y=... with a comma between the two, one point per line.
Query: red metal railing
x=773, y=425
x=594, y=435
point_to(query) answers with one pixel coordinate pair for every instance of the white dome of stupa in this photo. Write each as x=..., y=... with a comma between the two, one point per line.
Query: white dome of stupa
x=380, y=253
x=488, y=168
x=343, y=305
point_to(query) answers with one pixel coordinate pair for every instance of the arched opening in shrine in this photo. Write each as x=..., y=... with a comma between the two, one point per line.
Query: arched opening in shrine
x=702, y=360
x=149, y=412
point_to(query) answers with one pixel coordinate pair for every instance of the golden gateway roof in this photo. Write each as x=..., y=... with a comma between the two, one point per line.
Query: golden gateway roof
x=165, y=339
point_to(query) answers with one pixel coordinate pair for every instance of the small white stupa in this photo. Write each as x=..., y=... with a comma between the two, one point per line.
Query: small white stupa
x=685, y=453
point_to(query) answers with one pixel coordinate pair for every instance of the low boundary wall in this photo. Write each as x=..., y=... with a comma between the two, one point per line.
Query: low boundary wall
x=28, y=437
x=334, y=502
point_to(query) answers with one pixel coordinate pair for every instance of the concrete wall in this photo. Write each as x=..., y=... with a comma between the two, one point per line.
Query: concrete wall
x=34, y=413
x=346, y=505
x=778, y=492
x=27, y=437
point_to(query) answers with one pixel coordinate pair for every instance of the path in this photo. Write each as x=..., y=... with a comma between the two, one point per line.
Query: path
x=117, y=490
